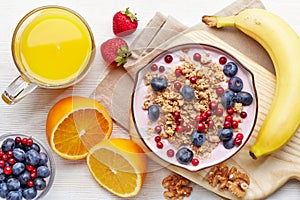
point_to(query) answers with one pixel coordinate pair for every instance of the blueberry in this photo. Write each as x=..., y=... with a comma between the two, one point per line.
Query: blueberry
x=2, y=177
x=18, y=168
x=13, y=184
x=184, y=155
x=188, y=93
x=229, y=144
x=228, y=99
x=225, y=134
x=244, y=97
x=43, y=158
x=29, y=193
x=24, y=177
x=230, y=69
x=36, y=147
x=14, y=195
x=32, y=157
x=19, y=154
x=235, y=84
x=43, y=171
x=39, y=184
x=153, y=112
x=197, y=138
x=159, y=83
x=8, y=144
x=3, y=190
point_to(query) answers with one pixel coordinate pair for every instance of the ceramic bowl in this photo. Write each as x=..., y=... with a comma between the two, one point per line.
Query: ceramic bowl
x=167, y=147
x=43, y=148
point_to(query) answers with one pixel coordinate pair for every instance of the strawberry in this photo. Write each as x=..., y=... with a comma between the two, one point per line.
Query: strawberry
x=115, y=51
x=124, y=23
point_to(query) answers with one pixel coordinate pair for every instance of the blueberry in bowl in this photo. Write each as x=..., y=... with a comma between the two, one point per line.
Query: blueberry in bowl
x=26, y=167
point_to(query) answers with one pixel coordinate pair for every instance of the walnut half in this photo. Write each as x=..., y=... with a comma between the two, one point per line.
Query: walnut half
x=177, y=187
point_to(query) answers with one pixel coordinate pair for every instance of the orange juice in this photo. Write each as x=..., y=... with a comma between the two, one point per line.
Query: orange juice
x=54, y=47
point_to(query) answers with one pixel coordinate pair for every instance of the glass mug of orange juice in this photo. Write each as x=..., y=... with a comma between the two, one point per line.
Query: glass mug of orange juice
x=52, y=47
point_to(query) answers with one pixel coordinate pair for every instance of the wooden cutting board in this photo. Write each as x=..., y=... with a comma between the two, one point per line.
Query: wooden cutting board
x=268, y=173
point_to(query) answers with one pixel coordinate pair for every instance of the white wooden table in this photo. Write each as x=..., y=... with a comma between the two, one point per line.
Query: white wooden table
x=73, y=180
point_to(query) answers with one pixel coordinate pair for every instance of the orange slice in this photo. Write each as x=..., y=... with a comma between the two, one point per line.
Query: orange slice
x=118, y=165
x=76, y=124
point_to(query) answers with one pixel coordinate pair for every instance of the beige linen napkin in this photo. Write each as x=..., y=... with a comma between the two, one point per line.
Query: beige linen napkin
x=115, y=90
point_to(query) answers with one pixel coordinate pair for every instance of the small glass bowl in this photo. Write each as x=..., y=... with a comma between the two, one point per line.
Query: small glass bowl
x=43, y=148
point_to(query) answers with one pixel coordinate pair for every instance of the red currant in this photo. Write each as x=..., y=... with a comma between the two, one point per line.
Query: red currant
x=200, y=127
x=154, y=67
x=188, y=128
x=11, y=161
x=24, y=141
x=7, y=170
x=234, y=124
x=176, y=115
x=204, y=116
x=210, y=123
x=4, y=157
x=213, y=105
x=2, y=163
x=222, y=60
x=240, y=136
x=178, y=72
x=177, y=85
x=197, y=57
x=198, y=118
x=179, y=121
x=18, y=139
x=243, y=114
x=228, y=118
x=30, y=168
x=227, y=124
x=159, y=145
x=193, y=79
x=179, y=129
x=10, y=154
x=157, y=139
x=238, y=141
x=195, y=161
x=30, y=183
x=219, y=91
x=170, y=153
x=1, y=153
x=230, y=111
x=161, y=69
x=29, y=142
x=208, y=113
x=168, y=58
x=33, y=175
x=219, y=112
x=158, y=129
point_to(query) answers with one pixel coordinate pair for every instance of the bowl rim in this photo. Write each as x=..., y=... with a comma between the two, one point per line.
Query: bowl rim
x=175, y=48
x=45, y=149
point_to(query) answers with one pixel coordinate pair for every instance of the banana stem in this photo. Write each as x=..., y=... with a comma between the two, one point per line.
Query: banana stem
x=218, y=21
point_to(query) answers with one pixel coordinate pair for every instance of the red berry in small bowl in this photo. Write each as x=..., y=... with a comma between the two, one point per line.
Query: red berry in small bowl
x=195, y=161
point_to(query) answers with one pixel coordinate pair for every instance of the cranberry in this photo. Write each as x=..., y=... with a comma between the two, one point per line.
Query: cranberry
x=222, y=60
x=238, y=141
x=243, y=114
x=170, y=153
x=213, y=105
x=161, y=69
x=177, y=85
x=195, y=161
x=200, y=127
x=219, y=91
x=24, y=141
x=30, y=183
x=188, y=128
x=193, y=79
x=198, y=118
x=30, y=168
x=158, y=129
x=228, y=118
x=197, y=57
x=2, y=163
x=168, y=58
x=159, y=145
x=176, y=115
x=33, y=175
x=219, y=112
x=154, y=67
x=230, y=111
x=227, y=124
x=239, y=135
x=208, y=113
x=156, y=139
x=179, y=129
x=210, y=123
x=18, y=139
x=178, y=72
x=11, y=161
x=234, y=124
x=7, y=170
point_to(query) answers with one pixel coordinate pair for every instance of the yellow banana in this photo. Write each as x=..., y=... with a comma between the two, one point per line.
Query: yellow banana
x=283, y=46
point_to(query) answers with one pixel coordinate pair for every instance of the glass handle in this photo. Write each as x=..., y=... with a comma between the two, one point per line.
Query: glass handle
x=17, y=90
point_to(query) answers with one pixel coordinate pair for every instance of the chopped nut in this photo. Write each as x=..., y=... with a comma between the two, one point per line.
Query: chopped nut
x=177, y=187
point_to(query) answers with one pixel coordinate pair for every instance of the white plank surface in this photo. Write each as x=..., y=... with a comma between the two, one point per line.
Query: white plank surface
x=73, y=180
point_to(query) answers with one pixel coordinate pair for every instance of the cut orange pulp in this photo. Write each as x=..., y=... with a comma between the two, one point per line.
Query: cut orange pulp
x=118, y=165
x=75, y=124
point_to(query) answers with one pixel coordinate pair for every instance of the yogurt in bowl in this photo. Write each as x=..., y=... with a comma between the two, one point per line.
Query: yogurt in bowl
x=194, y=105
